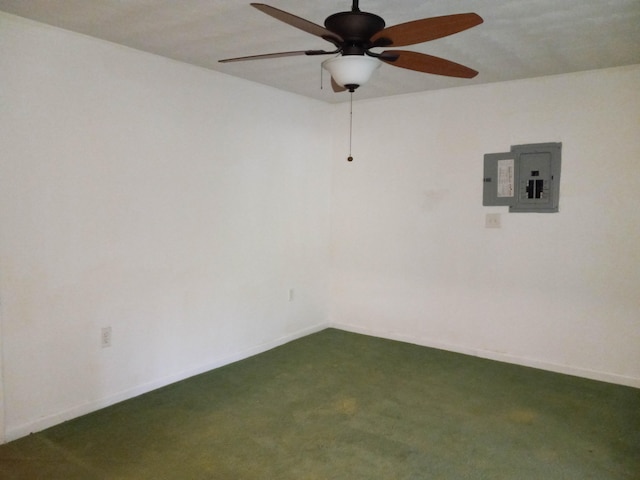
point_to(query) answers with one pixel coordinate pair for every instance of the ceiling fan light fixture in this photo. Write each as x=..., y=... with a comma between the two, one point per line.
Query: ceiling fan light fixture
x=351, y=71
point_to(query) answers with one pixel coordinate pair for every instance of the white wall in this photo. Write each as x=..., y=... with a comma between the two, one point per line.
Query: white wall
x=411, y=257
x=174, y=204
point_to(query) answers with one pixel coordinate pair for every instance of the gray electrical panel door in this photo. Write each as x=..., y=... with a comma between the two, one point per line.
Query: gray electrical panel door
x=526, y=179
x=499, y=179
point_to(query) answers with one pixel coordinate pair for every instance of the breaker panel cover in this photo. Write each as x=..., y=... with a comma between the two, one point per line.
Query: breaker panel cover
x=526, y=179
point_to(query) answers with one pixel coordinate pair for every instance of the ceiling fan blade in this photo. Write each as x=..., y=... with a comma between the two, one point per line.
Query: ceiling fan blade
x=279, y=54
x=263, y=56
x=301, y=23
x=419, y=31
x=422, y=62
x=336, y=87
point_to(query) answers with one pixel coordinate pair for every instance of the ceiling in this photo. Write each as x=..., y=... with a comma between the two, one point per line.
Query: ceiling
x=518, y=39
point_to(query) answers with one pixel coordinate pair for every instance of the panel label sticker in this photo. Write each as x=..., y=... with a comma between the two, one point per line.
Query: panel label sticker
x=506, y=178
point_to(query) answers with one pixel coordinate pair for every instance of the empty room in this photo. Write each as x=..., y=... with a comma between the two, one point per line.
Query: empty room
x=319, y=240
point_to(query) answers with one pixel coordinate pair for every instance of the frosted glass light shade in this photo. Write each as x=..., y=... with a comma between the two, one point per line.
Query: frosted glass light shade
x=351, y=70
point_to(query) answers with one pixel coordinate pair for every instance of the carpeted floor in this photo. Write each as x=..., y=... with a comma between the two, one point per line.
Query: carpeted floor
x=337, y=405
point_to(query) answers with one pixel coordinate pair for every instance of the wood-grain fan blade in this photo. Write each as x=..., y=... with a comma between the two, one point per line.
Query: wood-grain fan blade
x=295, y=21
x=422, y=62
x=419, y=31
x=263, y=56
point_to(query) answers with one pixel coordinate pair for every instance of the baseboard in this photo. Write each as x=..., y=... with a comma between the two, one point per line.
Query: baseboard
x=83, y=409
x=501, y=357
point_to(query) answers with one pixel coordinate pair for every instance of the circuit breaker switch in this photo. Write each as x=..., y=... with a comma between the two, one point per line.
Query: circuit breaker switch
x=535, y=188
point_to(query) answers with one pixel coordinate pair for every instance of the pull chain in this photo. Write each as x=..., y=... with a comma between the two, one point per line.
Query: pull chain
x=350, y=158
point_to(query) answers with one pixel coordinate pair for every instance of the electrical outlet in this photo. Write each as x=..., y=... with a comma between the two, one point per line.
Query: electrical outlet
x=105, y=337
x=492, y=220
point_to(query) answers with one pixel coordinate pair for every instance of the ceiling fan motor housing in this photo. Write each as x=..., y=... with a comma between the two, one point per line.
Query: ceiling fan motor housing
x=355, y=28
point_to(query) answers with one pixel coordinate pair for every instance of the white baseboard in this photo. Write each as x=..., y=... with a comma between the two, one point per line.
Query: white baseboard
x=85, y=408
x=501, y=357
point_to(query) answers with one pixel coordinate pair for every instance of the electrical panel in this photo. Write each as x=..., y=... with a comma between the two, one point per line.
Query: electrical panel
x=526, y=179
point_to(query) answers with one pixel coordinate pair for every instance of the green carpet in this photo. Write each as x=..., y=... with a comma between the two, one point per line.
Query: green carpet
x=337, y=405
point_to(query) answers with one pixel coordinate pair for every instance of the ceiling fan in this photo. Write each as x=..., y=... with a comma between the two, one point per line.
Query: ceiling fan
x=355, y=33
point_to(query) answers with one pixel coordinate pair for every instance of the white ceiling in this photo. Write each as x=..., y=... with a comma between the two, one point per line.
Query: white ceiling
x=518, y=39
